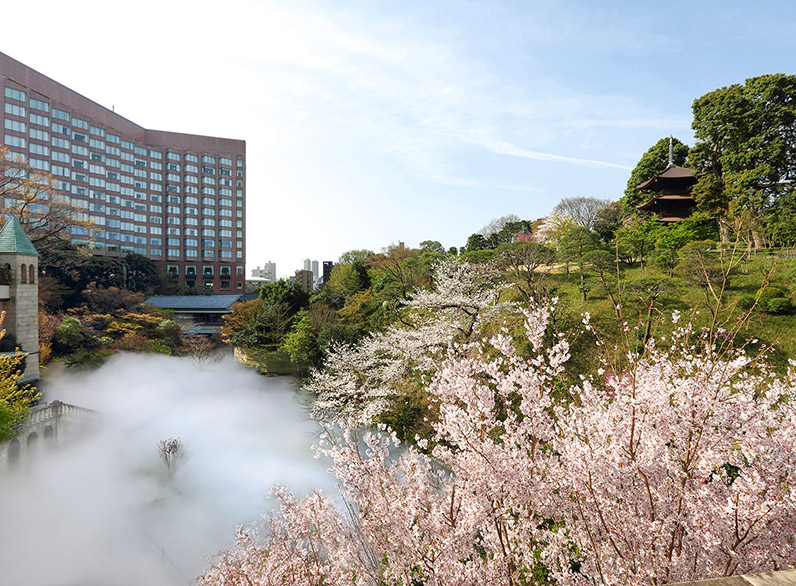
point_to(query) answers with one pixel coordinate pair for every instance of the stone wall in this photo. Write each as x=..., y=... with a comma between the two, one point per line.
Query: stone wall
x=22, y=310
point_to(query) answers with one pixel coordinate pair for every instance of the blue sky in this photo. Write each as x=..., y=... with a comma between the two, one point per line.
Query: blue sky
x=369, y=123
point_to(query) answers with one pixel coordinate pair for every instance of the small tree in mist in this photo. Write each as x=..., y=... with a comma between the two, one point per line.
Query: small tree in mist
x=172, y=452
x=204, y=351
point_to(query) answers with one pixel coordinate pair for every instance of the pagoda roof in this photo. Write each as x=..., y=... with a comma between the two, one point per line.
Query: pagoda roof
x=13, y=239
x=672, y=174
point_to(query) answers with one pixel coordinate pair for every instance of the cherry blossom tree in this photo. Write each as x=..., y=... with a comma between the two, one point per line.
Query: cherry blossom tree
x=680, y=467
x=364, y=379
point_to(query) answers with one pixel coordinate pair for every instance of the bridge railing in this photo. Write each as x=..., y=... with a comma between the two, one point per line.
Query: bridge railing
x=57, y=409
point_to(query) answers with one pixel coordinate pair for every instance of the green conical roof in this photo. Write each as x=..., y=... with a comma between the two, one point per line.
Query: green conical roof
x=13, y=239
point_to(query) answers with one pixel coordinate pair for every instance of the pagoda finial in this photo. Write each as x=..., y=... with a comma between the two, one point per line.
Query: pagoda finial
x=671, y=152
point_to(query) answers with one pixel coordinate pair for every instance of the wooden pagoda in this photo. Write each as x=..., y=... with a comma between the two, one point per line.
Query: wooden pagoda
x=671, y=197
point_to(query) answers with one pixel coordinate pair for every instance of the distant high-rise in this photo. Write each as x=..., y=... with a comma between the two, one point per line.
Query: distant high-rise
x=304, y=279
x=268, y=272
x=327, y=270
x=315, y=274
x=179, y=199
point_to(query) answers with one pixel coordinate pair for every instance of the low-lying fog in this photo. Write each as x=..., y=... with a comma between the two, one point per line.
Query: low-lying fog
x=101, y=510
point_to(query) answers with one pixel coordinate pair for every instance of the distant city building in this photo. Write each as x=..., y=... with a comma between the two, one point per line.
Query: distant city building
x=316, y=275
x=307, y=264
x=268, y=272
x=327, y=270
x=304, y=279
x=179, y=199
x=253, y=284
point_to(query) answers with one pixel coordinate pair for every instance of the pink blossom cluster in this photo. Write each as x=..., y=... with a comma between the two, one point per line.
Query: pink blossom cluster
x=683, y=467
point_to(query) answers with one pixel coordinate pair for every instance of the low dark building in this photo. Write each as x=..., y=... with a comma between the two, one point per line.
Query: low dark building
x=199, y=314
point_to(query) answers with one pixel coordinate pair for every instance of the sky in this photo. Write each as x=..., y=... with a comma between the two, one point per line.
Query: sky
x=371, y=123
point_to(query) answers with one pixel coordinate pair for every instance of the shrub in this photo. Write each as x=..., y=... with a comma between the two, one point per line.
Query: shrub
x=85, y=358
x=779, y=305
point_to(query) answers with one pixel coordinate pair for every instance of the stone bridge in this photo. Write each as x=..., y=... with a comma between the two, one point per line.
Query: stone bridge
x=47, y=427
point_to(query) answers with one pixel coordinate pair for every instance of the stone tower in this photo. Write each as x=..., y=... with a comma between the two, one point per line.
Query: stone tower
x=19, y=293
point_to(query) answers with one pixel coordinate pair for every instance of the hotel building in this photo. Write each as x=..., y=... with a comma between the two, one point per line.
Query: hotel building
x=179, y=199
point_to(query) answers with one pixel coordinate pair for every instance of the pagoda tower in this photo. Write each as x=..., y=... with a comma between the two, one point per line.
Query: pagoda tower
x=671, y=198
x=19, y=294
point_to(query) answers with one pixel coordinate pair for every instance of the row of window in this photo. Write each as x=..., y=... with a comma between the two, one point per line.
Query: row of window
x=207, y=270
x=77, y=149
x=64, y=116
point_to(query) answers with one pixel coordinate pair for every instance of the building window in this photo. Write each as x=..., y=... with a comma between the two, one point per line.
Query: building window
x=16, y=94
x=16, y=110
x=40, y=120
x=207, y=270
x=16, y=141
x=61, y=115
x=173, y=270
x=15, y=125
x=208, y=285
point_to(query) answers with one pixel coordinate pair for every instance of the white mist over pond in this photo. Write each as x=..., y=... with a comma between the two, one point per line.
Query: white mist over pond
x=101, y=510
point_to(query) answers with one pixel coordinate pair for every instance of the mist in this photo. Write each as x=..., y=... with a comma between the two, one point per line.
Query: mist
x=101, y=509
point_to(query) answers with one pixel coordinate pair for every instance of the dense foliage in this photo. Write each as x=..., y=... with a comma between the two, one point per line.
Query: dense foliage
x=16, y=398
x=677, y=467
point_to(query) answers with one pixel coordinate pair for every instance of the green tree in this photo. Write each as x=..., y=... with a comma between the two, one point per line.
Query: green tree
x=573, y=246
x=400, y=264
x=607, y=221
x=636, y=238
x=284, y=292
x=605, y=266
x=353, y=256
x=346, y=280
x=529, y=265
x=143, y=274
x=746, y=147
x=672, y=237
x=266, y=327
x=655, y=160
x=301, y=344
x=432, y=246
x=508, y=232
x=476, y=242
x=782, y=220
x=648, y=292
x=15, y=398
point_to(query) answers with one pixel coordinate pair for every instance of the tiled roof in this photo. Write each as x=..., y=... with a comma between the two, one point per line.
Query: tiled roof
x=670, y=173
x=194, y=302
x=13, y=239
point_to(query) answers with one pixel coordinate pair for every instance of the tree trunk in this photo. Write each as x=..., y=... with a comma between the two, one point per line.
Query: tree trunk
x=724, y=231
